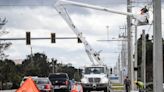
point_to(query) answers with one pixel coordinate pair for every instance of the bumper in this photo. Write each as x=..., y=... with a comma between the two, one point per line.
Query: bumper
x=45, y=90
x=95, y=86
x=56, y=87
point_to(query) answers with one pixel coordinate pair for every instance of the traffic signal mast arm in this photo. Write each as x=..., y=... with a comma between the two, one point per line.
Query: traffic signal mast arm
x=93, y=55
x=138, y=17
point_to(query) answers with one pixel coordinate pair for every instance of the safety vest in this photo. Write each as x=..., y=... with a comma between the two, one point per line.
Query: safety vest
x=140, y=84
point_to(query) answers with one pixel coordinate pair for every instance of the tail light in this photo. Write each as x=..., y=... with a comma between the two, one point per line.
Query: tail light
x=66, y=82
x=47, y=86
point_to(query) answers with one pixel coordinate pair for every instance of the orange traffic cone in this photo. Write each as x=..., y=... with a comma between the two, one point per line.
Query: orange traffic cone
x=75, y=88
x=28, y=86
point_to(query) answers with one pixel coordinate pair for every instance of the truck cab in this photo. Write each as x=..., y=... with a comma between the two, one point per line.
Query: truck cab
x=95, y=78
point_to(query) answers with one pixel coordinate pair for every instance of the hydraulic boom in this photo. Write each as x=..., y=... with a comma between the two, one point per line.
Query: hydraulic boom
x=93, y=55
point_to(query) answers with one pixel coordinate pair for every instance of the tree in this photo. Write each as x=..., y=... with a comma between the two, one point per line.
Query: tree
x=8, y=73
x=3, y=45
x=36, y=65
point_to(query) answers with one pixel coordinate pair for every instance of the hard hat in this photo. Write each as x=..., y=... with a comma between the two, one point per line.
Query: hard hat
x=144, y=9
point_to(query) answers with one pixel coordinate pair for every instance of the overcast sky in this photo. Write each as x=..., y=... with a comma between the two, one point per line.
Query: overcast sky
x=40, y=18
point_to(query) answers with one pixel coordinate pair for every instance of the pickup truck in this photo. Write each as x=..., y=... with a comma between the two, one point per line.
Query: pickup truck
x=60, y=81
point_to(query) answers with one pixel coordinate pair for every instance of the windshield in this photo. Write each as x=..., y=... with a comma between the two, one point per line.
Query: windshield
x=94, y=70
x=57, y=76
x=42, y=81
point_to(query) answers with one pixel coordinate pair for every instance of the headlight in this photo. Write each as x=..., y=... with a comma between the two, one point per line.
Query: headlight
x=84, y=80
x=104, y=80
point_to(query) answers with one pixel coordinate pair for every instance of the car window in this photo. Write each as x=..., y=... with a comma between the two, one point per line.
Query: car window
x=25, y=79
x=42, y=81
x=58, y=76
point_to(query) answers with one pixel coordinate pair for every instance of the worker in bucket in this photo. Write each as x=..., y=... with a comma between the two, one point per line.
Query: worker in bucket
x=142, y=18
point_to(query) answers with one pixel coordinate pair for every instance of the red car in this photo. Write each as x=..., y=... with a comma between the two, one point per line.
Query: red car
x=44, y=85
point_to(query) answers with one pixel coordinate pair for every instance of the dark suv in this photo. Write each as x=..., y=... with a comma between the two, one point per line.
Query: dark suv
x=60, y=81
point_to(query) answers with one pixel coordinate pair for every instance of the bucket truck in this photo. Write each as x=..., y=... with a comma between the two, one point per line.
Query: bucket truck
x=95, y=77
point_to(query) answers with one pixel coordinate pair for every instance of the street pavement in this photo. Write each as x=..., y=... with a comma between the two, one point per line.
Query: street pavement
x=15, y=90
x=7, y=90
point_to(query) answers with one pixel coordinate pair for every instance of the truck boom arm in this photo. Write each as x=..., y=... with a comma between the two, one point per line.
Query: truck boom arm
x=67, y=2
x=93, y=55
x=139, y=18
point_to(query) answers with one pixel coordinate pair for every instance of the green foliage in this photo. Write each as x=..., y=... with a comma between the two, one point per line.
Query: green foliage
x=34, y=65
x=3, y=47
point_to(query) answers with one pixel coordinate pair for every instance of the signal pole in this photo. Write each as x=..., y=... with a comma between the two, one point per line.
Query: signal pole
x=129, y=28
x=136, y=53
x=157, y=48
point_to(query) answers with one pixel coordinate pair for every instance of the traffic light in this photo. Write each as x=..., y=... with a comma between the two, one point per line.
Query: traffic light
x=53, y=38
x=111, y=71
x=28, y=38
x=78, y=40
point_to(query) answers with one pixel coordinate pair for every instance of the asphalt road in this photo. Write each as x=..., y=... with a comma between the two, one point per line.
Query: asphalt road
x=7, y=90
x=15, y=90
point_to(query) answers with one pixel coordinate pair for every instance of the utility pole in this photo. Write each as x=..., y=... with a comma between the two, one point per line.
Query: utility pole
x=32, y=61
x=129, y=27
x=143, y=64
x=118, y=69
x=136, y=53
x=53, y=67
x=123, y=52
x=157, y=48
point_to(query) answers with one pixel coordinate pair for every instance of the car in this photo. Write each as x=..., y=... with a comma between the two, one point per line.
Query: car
x=60, y=81
x=26, y=77
x=44, y=84
x=77, y=87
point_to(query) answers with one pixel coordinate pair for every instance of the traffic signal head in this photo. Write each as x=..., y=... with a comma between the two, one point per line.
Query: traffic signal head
x=78, y=40
x=111, y=71
x=28, y=38
x=53, y=38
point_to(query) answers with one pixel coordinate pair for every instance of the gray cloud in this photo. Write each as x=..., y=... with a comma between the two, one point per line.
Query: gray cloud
x=51, y=2
x=43, y=20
